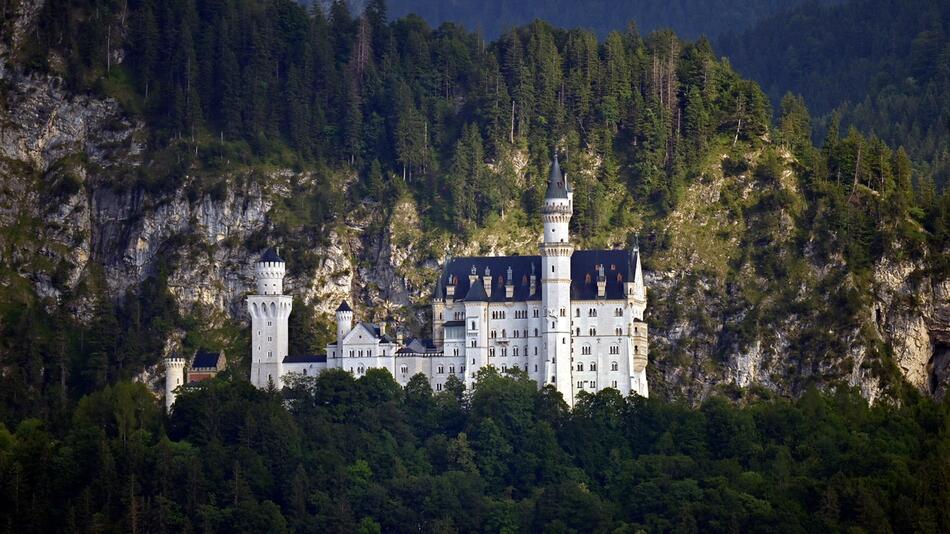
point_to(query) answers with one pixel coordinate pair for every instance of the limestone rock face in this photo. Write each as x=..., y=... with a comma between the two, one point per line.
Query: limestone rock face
x=73, y=215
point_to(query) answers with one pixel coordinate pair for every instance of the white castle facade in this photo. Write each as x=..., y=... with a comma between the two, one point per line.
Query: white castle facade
x=567, y=317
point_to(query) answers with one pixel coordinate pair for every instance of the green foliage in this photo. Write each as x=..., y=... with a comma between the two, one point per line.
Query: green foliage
x=333, y=454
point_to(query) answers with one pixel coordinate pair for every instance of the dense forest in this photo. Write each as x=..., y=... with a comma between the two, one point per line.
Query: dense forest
x=334, y=454
x=881, y=66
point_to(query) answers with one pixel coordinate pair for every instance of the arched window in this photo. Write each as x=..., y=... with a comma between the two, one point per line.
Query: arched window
x=613, y=366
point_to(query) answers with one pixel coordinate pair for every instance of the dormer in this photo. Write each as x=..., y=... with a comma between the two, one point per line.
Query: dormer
x=486, y=281
x=509, y=285
x=450, y=287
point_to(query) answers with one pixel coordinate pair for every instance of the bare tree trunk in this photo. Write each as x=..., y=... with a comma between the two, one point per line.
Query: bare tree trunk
x=854, y=183
x=511, y=132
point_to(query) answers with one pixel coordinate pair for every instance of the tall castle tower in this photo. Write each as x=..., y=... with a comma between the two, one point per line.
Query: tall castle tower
x=637, y=329
x=174, y=377
x=344, y=323
x=270, y=311
x=556, y=250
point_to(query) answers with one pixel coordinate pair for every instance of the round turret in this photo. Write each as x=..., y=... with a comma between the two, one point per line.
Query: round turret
x=344, y=322
x=174, y=377
x=270, y=274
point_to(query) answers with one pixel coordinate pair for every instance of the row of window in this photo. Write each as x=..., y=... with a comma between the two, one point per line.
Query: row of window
x=515, y=351
x=592, y=366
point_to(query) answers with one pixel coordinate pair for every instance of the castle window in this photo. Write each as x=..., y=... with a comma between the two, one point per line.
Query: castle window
x=516, y=351
x=492, y=334
x=441, y=369
x=504, y=333
x=351, y=354
x=563, y=341
x=563, y=312
x=536, y=353
x=369, y=353
x=360, y=369
x=440, y=316
x=270, y=338
x=535, y=368
x=462, y=369
x=577, y=312
x=535, y=332
x=613, y=384
x=404, y=369
x=491, y=352
x=270, y=354
x=592, y=366
x=636, y=349
x=452, y=369
x=535, y=315
x=613, y=366
x=593, y=331
x=580, y=384
x=305, y=372
x=473, y=325
x=593, y=384
x=268, y=323
x=552, y=267
x=438, y=387
x=618, y=331
x=580, y=366
x=455, y=352
x=577, y=332
x=614, y=349
x=585, y=350
x=618, y=312
x=504, y=351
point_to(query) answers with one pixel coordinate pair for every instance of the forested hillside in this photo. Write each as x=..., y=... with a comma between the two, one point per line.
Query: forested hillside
x=881, y=66
x=151, y=151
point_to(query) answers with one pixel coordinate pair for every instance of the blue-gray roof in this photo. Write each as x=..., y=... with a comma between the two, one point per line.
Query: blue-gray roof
x=306, y=358
x=557, y=184
x=205, y=359
x=270, y=255
x=344, y=307
x=618, y=269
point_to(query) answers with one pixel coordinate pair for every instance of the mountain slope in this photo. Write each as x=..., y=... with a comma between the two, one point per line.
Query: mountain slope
x=138, y=194
x=881, y=65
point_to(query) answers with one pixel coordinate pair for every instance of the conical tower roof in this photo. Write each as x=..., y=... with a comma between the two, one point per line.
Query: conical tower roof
x=557, y=184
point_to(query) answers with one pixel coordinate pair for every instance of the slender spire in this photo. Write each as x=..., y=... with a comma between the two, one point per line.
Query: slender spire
x=557, y=186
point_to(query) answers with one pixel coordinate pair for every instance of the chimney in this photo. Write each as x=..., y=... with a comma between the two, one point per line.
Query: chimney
x=509, y=285
x=486, y=281
x=472, y=276
x=601, y=281
x=534, y=281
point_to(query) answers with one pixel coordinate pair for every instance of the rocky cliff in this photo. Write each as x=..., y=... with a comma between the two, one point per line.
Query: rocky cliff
x=719, y=321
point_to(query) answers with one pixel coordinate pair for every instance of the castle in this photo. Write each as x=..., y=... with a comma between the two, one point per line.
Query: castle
x=572, y=319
